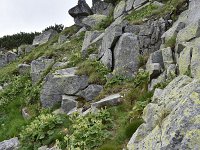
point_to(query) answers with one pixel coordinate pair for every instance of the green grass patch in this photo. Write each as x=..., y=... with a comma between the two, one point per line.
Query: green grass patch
x=95, y=70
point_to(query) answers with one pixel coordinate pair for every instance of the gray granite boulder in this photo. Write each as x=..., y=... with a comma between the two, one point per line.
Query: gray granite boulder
x=29, y=48
x=126, y=55
x=129, y=4
x=111, y=100
x=110, y=38
x=38, y=67
x=11, y=56
x=189, y=32
x=90, y=38
x=139, y=3
x=3, y=60
x=152, y=64
x=102, y=8
x=172, y=122
x=184, y=60
x=62, y=39
x=93, y=20
x=60, y=65
x=44, y=37
x=80, y=11
x=107, y=59
x=24, y=69
x=69, y=103
x=62, y=82
x=119, y=9
x=11, y=144
x=167, y=57
x=90, y=92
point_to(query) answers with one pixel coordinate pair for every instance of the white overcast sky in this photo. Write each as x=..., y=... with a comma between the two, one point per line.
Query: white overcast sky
x=34, y=15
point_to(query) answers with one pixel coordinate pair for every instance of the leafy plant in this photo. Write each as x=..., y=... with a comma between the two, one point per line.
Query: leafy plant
x=88, y=132
x=43, y=130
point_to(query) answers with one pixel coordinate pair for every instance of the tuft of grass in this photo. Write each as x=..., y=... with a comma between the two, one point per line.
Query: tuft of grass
x=137, y=16
x=95, y=70
x=173, y=7
x=171, y=42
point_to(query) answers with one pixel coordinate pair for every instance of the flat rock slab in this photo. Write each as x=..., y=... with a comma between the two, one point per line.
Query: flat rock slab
x=111, y=100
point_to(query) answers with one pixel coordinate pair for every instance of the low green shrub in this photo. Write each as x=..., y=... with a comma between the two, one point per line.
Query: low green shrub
x=88, y=132
x=43, y=130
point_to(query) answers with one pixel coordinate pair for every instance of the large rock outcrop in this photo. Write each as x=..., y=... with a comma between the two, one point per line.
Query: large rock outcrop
x=102, y=8
x=62, y=82
x=172, y=122
x=44, y=37
x=126, y=55
x=80, y=11
x=39, y=66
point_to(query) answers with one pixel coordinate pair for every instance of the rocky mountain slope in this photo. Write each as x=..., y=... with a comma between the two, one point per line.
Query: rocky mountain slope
x=125, y=76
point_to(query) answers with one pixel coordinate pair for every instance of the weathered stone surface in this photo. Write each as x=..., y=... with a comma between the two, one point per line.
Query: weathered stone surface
x=93, y=20
x=185, y=60
x=135, y=29
x=156, y=95
x=150, y=35
x=167, y=57
x=3, y=60
x=195, y=63
x=139, y=3
x=60, y=64
x=171, y=71
x=126, y=55
x=107, y=59
x=189, y=32
x=44, y=37
x=152, y=64
x=90, y=36
x=38, y=67
x=102, y=8
x=90, y=92
x=111, y=100
x=62, y=39
x=80, y=11
x=62, y=82
x=29, y=48
x=69, y=103
x=129, y=4
x=173, y=31
x=110, y=38
x=172, y=123
x=11, y=144
x=11, y=56
x=159, y=79
x=119, y=9
x=24, y=68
